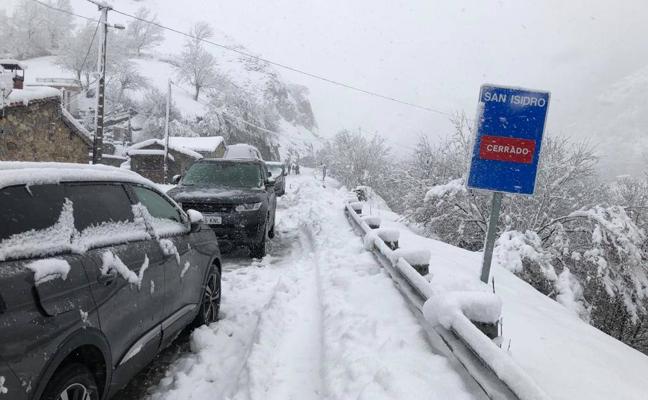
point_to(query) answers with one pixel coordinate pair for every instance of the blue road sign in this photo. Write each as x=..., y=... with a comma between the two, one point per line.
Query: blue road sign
x=510, y=125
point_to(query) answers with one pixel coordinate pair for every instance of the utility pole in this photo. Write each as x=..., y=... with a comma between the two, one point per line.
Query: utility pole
x=97, y=143
x=166, y=134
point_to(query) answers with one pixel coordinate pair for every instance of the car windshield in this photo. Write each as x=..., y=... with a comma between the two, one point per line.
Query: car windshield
x=275, y=170
x=224, y=174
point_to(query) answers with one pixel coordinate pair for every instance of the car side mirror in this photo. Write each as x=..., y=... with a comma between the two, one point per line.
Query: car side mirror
x=270, y=183
x=176, y=179
x=195, y=220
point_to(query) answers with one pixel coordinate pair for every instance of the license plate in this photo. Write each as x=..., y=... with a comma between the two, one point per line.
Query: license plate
x=213, y=219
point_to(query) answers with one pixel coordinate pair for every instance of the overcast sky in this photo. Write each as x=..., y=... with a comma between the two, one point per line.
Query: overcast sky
x=430, y=52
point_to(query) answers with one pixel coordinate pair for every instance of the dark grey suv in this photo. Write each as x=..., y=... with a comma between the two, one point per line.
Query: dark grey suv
x=98, y=272
x=235, y=196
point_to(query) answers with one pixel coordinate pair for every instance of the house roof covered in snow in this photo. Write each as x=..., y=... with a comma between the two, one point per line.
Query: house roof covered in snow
x=28, y=95
x=137, y=148
x=204, y=144
x=11, y=63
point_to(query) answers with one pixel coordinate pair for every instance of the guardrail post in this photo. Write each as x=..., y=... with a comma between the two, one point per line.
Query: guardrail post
x=372, y=222
x=357, y=207
x=390, y=237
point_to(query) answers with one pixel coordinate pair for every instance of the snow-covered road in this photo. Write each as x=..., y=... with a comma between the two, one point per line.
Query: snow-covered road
x=316, y=319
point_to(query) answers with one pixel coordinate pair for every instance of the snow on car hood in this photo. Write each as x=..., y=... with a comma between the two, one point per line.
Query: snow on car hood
x=216, y=194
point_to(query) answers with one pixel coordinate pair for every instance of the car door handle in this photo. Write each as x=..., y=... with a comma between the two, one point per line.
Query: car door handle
x=108, y=279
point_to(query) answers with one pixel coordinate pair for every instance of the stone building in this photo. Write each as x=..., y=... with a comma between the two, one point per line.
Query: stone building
x=147, y=157
x=35, y=127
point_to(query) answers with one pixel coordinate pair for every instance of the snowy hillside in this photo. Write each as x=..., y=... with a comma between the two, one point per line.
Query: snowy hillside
x=618, y=123
x=297, y=126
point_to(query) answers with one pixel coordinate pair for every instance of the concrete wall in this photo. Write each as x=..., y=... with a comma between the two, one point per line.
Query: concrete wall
x=37, y=133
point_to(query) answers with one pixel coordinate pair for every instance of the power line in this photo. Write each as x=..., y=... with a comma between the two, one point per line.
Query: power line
x=258, y=58
x=89, y=47
x=231, y=116
x=285, y=66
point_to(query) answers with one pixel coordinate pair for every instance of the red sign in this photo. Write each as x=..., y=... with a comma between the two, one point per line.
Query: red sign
x=499, y=148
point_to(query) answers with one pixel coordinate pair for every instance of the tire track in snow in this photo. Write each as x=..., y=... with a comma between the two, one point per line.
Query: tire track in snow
x=373, y=346
x=286, y=359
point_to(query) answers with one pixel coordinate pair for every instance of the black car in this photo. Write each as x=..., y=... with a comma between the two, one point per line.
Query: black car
x=98, y=272
x=236, y=198
x=278, y=175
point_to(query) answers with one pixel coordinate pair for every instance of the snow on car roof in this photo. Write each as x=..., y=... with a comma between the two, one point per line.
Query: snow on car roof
x=39, y=173
x=241, y=150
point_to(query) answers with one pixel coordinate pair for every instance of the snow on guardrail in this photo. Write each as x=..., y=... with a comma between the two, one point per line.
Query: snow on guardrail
x=455, y=312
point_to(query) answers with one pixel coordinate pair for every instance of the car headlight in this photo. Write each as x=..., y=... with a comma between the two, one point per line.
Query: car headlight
x=248, y=207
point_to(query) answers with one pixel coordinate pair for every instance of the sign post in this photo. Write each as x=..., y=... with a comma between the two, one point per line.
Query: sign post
x=506, y=149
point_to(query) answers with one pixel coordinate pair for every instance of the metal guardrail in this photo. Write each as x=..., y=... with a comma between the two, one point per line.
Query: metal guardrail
x=494, y=371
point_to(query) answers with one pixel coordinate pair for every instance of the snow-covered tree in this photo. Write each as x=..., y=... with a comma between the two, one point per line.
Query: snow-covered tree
x=5, y=34
x=152, y=113
x=355, y=159
x=196, y=64
x=142, y=35
x=28, y=33
x=78, y=56
x=123, y=77
x=58, y=25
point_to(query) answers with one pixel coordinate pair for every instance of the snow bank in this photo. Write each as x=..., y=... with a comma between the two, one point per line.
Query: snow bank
x=49, y=269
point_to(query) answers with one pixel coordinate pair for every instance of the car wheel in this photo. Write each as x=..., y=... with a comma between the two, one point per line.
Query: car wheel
x=271, y=233
x=260, y=249
x=73, y=381
x=210, y=300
